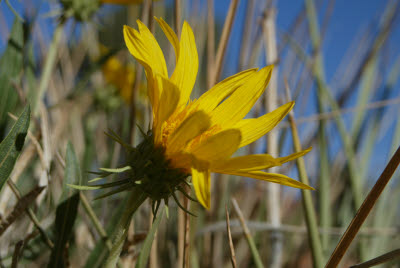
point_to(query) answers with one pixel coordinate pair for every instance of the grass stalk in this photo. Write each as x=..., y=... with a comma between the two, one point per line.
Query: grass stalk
x=246, y=35
x=249, y=237
x=136, y=198
x=210, y=43
x=231, y=247
x=271, y=103
x=364, y=211
x=32, y=216
x=223, y=42
x=178, y=16
x=324, y=93
x=49, y=65
x=379, y=260
x=310, y=214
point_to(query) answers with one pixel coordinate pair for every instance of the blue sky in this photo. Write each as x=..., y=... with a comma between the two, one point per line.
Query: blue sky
x=347, y=19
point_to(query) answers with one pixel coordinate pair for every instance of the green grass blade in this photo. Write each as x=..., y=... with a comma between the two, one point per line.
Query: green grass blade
x=146, y=248
x=73, y=173
x=100, y=251
x=310, y=215
x=10, y=70
x=11, y=146
x=65, y=217
x=66, y=210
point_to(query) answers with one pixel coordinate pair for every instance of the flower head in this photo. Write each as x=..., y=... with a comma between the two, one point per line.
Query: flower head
x=200, y=136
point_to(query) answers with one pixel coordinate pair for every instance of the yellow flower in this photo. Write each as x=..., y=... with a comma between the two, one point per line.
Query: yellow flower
x=200, y=136
x=121, y=76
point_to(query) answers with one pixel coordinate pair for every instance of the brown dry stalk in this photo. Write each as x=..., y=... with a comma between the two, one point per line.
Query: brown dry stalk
x=178, y=17
x=223, y=42
x=17, y=253
x=379, y=260
x=364, y=211
x=228, y=229
x=247, y=34
x=32, y=216
x=210, y=43
x=19, y=208
x=186, y=234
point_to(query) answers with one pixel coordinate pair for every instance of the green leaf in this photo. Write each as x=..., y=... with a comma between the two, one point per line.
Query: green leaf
x=99, y=253
x=146, y=248
x=11, y=146
x=66, y=210
x=65, y=217
x=116, y=170
x=73, y=175
x=11, y=67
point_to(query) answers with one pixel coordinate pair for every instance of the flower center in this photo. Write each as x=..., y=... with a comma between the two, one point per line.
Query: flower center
x=152, y=171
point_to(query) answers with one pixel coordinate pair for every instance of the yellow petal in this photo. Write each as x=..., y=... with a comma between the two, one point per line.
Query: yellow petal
x=272, y=177
x=245, y=163
x=202, y=186
x=235, y=107
x=187, y=65
x=293, y=156
x=170, y=34
x=210, y=99
x=253, y=129
x=144, y=47
x=253, y=162
x=170, y=98
x=192, y=126
x=219, y=146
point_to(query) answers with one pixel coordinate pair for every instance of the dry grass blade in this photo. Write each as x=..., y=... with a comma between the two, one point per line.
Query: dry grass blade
x=364, y=211
x=246, y=36
x=178, y=17
x=186, y=235
x=32, y=216
x=17, y=253
x=210, y=43
x=270, y=103
x=310, y=215
x=228, y=229
x=379, y=260
x=223, y=42
x=19, y=208
x=249, y=238
x=183, y=232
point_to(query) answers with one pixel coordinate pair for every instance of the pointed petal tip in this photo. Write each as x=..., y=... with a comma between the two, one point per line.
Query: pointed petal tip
x=309, y=188
x=126, y=28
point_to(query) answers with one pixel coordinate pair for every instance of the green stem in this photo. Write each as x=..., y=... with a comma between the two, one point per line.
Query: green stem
x=311, y=217
x=136, y=198
x=49, y=65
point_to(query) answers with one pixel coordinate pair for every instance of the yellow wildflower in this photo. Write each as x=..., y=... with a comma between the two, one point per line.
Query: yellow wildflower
x=200, y=136
x=121, y=76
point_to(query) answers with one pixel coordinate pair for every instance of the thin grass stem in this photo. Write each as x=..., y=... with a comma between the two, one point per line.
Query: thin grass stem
x=310, y=214
x=249, y=237
x=135, y=199
x=364, y=211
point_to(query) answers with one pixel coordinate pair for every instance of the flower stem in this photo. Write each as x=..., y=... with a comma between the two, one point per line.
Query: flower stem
x=49, y=64
x=136, y=198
